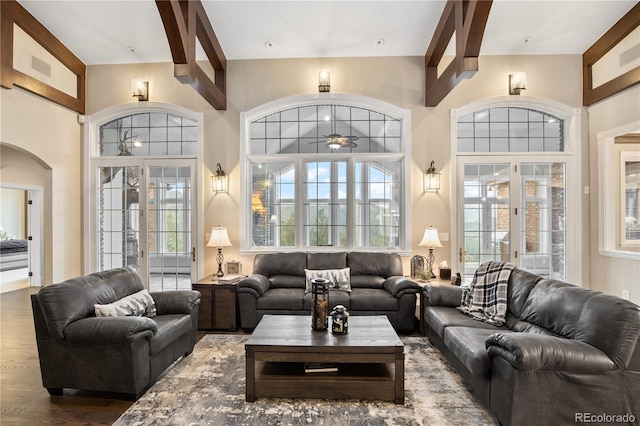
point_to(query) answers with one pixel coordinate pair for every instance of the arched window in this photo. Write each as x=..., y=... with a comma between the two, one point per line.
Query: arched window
x=325, y=173
x=517, y=185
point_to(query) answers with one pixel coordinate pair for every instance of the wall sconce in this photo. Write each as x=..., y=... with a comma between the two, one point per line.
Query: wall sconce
x=324, y=81
x=431, y=179
x=220, y=181
x=517, y=82
x=140, y=89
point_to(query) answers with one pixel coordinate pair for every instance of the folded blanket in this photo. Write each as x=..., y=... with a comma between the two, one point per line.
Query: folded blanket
x=486, y=298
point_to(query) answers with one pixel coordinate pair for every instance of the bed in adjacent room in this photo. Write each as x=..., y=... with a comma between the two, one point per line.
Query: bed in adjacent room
x=14, y=254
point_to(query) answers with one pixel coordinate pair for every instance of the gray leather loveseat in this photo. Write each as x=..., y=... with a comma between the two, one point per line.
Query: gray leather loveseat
x=120, y=354
x=565, y=353
x=378, y=287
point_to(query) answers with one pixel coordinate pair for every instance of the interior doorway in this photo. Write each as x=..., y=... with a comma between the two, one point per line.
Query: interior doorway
x=21, y=237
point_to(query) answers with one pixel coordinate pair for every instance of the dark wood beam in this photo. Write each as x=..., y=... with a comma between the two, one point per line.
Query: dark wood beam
x=12, y=13
x=608, y=41
x=468, y=20
x=185, y=23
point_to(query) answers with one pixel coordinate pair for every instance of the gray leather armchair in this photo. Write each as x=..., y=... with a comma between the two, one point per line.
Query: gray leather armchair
x=120, y=354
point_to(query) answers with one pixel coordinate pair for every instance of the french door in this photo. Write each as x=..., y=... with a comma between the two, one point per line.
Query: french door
x=515, y=210
x=146, y=219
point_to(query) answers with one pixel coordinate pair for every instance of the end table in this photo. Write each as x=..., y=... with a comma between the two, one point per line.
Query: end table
x=217, y=306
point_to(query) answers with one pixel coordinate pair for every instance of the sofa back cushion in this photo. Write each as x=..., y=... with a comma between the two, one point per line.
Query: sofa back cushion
x=327, y=260
x=612, y=325
x=384, y=265
x=520, y=284
x=74, y=299
x=556, y=306
x=270, y=264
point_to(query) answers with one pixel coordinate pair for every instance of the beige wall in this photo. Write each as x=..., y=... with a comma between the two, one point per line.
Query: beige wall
x=397, y=80
x=610, y=274
x=48, y=140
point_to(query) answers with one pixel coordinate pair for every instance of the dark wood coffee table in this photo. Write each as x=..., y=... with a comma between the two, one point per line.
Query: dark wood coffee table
x=370, y=360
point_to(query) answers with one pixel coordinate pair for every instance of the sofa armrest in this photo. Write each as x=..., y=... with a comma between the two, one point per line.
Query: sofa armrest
x=176, y=301
x=530, y=352
x=255, y=284
x=110, y=329
x=441, y=294
x=397, y=286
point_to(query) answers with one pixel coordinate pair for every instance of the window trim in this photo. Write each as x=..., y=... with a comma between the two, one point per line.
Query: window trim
x=91, y=142
x=608, y=191
x=403, y=115
x=571, y=155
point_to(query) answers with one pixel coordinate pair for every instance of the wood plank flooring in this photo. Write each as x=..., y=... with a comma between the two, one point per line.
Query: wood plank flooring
x=23, y=400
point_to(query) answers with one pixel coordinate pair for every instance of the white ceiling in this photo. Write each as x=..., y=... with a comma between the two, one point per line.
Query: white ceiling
x=114, y=31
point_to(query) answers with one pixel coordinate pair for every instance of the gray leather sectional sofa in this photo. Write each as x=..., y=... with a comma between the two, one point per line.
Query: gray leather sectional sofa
x=277, y=286
x=565, y=353
x=120, y=354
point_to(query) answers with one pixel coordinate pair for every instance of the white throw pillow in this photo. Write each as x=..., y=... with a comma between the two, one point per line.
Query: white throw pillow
x=137, y=304
x=340, y=278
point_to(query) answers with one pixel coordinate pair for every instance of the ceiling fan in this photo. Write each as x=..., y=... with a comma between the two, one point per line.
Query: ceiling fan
x=335, y=140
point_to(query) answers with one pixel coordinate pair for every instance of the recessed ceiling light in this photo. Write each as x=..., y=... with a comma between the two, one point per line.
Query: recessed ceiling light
x=527, y=39
x=269, y=44
x=131, y=49
x=380, y=41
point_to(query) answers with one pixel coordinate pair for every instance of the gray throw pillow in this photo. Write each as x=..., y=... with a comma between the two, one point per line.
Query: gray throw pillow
x=137, y=304
x=340, y=278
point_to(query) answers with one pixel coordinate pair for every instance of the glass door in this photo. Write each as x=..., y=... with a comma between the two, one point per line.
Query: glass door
x=512, y=211
x=169, y=222
x=146, y=219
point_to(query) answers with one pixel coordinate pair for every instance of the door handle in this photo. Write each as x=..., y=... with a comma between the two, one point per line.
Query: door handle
x=461, y=253
x=193, y=254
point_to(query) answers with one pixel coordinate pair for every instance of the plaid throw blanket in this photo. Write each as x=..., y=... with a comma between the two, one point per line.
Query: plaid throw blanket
x=486, y=298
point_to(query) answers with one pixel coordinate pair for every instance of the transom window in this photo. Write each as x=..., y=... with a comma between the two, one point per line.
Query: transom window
x=325, y=176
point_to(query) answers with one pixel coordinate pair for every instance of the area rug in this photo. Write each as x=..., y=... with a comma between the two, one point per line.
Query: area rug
x=207, y=388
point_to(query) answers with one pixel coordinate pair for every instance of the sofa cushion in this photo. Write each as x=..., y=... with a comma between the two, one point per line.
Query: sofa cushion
x=335, y=298
x=170, y=328
x=468, y=345
x=269, y=264
x=340, y=278
x=440, y=317
x=286, y=281
x=520, y=284
x=556, y=306
x=327, y=260
x=381, y=264
x=366, y=281
x=372, y=299
x=137, y=304
x=281, y=299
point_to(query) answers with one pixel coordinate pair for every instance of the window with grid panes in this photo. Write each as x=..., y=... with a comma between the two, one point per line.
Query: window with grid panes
x=305, y=193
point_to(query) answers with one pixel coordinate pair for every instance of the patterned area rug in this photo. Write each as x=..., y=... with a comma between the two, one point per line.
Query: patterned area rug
x=207, y=388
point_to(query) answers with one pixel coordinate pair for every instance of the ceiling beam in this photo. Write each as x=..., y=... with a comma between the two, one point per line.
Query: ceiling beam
x=186, y=23
x=617, y=33
x=468, y=20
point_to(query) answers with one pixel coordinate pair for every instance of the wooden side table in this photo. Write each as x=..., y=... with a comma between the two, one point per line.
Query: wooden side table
x=217, y=305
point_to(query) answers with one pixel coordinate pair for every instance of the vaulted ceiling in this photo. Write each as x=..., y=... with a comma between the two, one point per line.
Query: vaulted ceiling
x=112, y=31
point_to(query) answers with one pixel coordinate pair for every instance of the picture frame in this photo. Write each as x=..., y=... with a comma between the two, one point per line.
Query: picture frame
x=233, y=267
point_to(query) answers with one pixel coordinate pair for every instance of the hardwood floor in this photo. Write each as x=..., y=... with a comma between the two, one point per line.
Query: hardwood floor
x=23, y=400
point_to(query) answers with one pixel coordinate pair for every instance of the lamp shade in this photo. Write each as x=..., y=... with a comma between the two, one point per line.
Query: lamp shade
x=430, y=238
x=219, y=237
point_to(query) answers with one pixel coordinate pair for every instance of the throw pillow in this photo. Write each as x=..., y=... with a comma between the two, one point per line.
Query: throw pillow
x=137, y=304
x=340, y=278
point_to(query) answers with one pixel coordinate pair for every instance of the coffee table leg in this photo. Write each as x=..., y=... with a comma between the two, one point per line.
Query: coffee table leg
x=250, y=368
x=399, y=376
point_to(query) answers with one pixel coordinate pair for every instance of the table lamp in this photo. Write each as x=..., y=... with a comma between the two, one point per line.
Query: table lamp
x=219, y=238
x=430, y=240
